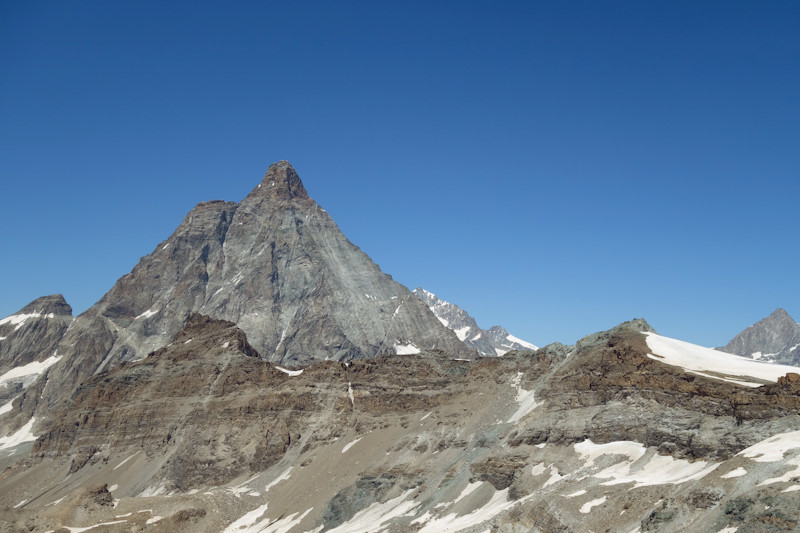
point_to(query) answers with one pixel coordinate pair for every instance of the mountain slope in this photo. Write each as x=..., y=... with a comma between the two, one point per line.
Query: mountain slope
x=775, y=339
x=610, y=434
x=492, y=342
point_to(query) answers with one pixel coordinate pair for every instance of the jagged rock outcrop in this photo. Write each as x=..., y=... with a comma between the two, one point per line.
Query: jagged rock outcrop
x=775, y=339
x=495, y=341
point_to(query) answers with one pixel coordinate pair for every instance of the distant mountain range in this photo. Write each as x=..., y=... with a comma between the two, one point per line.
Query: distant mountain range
x=492, y=342
x=773, y=339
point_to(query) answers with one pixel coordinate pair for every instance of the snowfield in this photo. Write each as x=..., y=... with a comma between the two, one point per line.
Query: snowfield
x=700, y=360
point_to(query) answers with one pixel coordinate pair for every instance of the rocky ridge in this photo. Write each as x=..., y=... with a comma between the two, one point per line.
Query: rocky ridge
x=600, y=435
x=775, y=338
x=492, y=342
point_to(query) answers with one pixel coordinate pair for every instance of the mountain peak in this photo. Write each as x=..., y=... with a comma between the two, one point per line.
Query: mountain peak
x=779, y=314
x=775, y=338
x=281, y=182
x=54, y=303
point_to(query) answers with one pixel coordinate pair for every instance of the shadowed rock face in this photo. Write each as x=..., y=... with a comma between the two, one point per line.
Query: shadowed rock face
x=775, y=338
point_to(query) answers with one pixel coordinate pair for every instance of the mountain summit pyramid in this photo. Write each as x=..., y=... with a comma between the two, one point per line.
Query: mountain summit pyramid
x=775, y=339
x=276, y=265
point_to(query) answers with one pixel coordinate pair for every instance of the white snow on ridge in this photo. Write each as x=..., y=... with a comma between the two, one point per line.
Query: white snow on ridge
x=18, y=320
x=526, y=344
x=33, y=368
x=699, y=359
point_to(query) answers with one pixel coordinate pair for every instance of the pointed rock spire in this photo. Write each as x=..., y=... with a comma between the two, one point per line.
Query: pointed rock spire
x=280, y=182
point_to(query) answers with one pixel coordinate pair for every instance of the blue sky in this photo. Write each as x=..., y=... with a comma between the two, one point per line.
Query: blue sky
x=553, y=167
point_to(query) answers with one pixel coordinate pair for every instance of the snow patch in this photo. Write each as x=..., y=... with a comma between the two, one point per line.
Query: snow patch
x=586, y=507
x=350, y=444
x=125, y=461
x=699, y=359
x=526, y=344
x=23, y=434
x=734, y=473
x=350, y=393
x=31, y=369
x=6, y=407
x=283, y=477
x=405, y=349
x=658, y=470
x=18, y=320
x=290, y=372
x=773, y=448
x=82, y=529
x=247, y=520
x=525, y=399
x=461, y=333
x=373, y=517
x=150, y=312
x=452, y=523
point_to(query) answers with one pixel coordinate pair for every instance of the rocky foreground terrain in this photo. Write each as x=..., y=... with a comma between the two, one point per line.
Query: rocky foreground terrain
x=607, y=435
x=257, y=373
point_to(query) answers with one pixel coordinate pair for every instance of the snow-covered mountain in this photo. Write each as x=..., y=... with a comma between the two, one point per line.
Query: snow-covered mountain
x=775, y=339
x=492, y=342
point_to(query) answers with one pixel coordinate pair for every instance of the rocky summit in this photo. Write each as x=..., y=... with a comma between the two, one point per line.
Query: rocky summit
x=775, y=338
x=257, y=373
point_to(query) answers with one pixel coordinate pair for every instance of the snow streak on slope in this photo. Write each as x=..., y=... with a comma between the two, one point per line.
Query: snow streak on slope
x=31, y=369
x=700, y=360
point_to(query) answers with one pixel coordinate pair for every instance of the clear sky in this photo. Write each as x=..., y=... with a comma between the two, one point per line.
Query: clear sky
x=552, y=167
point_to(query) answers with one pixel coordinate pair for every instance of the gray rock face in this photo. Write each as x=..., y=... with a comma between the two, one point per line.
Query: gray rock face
x=775, y=339
x=492, y=342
